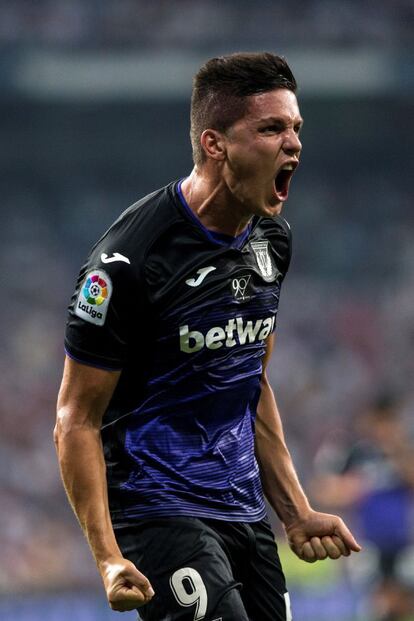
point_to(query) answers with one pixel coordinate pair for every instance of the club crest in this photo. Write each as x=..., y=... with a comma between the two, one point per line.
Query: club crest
x=264, y=260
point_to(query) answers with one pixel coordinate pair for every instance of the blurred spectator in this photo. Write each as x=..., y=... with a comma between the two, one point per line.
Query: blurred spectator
x=374, y=477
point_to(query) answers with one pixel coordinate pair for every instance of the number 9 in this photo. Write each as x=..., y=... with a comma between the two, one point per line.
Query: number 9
x=188, y=589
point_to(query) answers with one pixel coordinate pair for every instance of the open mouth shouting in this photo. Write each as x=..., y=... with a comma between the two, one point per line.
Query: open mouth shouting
x=283, y=178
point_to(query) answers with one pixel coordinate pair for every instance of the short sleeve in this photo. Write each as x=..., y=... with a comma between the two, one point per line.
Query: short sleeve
x=277, y=231
x=284, y=245
x=108, y=294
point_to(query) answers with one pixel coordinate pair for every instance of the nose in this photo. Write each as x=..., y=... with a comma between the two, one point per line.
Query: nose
x=291, y=143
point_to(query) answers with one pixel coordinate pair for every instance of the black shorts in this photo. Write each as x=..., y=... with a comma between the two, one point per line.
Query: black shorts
x=208, y=569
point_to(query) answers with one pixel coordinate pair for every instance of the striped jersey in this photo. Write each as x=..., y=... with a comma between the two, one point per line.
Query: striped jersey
x=184, y=313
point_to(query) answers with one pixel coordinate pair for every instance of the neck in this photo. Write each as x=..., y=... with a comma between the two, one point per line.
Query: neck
x=208, y=197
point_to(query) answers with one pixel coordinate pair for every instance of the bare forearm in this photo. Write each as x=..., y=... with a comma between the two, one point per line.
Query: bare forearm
x=279, y=479
x=83, y=472
x=83, y=398
x=311, y=535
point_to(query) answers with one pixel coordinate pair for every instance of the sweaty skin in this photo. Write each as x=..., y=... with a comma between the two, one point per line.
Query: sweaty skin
x=237, y=181
x=83, y=398
x=312, y=535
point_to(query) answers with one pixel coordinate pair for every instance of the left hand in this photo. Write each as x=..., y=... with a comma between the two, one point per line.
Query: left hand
x=316, y=536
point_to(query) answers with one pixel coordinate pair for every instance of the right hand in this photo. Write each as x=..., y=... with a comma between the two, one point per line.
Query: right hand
x=126, y=587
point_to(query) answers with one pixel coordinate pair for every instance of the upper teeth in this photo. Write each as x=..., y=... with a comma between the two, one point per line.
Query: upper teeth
x=287, y=167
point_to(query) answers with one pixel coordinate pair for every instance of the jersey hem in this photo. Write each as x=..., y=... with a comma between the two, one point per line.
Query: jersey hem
x=84, y=358
x=130, y=517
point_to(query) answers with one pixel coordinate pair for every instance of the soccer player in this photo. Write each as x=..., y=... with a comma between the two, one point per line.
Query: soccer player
x=168, y=433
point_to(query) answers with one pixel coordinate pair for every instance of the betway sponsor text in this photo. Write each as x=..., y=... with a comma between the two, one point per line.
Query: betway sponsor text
x=235, y=332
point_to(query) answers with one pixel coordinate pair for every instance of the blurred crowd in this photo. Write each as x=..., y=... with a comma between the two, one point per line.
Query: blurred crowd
x=343, y=366
x=368, y=472
x=202, y=23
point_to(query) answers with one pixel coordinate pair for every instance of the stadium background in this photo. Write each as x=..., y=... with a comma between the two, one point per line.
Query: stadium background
x=94, y=111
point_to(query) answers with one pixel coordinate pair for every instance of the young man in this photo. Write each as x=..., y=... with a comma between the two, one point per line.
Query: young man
x=168, y=433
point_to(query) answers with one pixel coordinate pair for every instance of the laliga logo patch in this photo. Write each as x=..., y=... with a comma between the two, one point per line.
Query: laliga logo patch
x=95, y=290
x=93, y=299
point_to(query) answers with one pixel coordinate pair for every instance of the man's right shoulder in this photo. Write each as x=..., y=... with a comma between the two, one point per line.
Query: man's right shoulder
x=146, y=214
x=134, y=231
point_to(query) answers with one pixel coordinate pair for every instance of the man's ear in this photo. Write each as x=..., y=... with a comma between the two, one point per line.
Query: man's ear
x=214, y=144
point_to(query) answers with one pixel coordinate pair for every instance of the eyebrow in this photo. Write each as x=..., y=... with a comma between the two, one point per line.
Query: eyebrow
x=279, y=119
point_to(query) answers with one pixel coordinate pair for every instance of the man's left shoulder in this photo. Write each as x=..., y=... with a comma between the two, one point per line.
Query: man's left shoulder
x=276, y=225
x=275, y=234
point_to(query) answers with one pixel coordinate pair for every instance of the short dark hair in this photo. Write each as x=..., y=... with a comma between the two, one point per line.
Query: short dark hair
x=222, y=86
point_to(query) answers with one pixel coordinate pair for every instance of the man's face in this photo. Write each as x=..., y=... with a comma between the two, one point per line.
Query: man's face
x=262, y=152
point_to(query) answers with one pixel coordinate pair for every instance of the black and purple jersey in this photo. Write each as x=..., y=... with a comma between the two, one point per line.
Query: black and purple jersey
x=184, y=313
